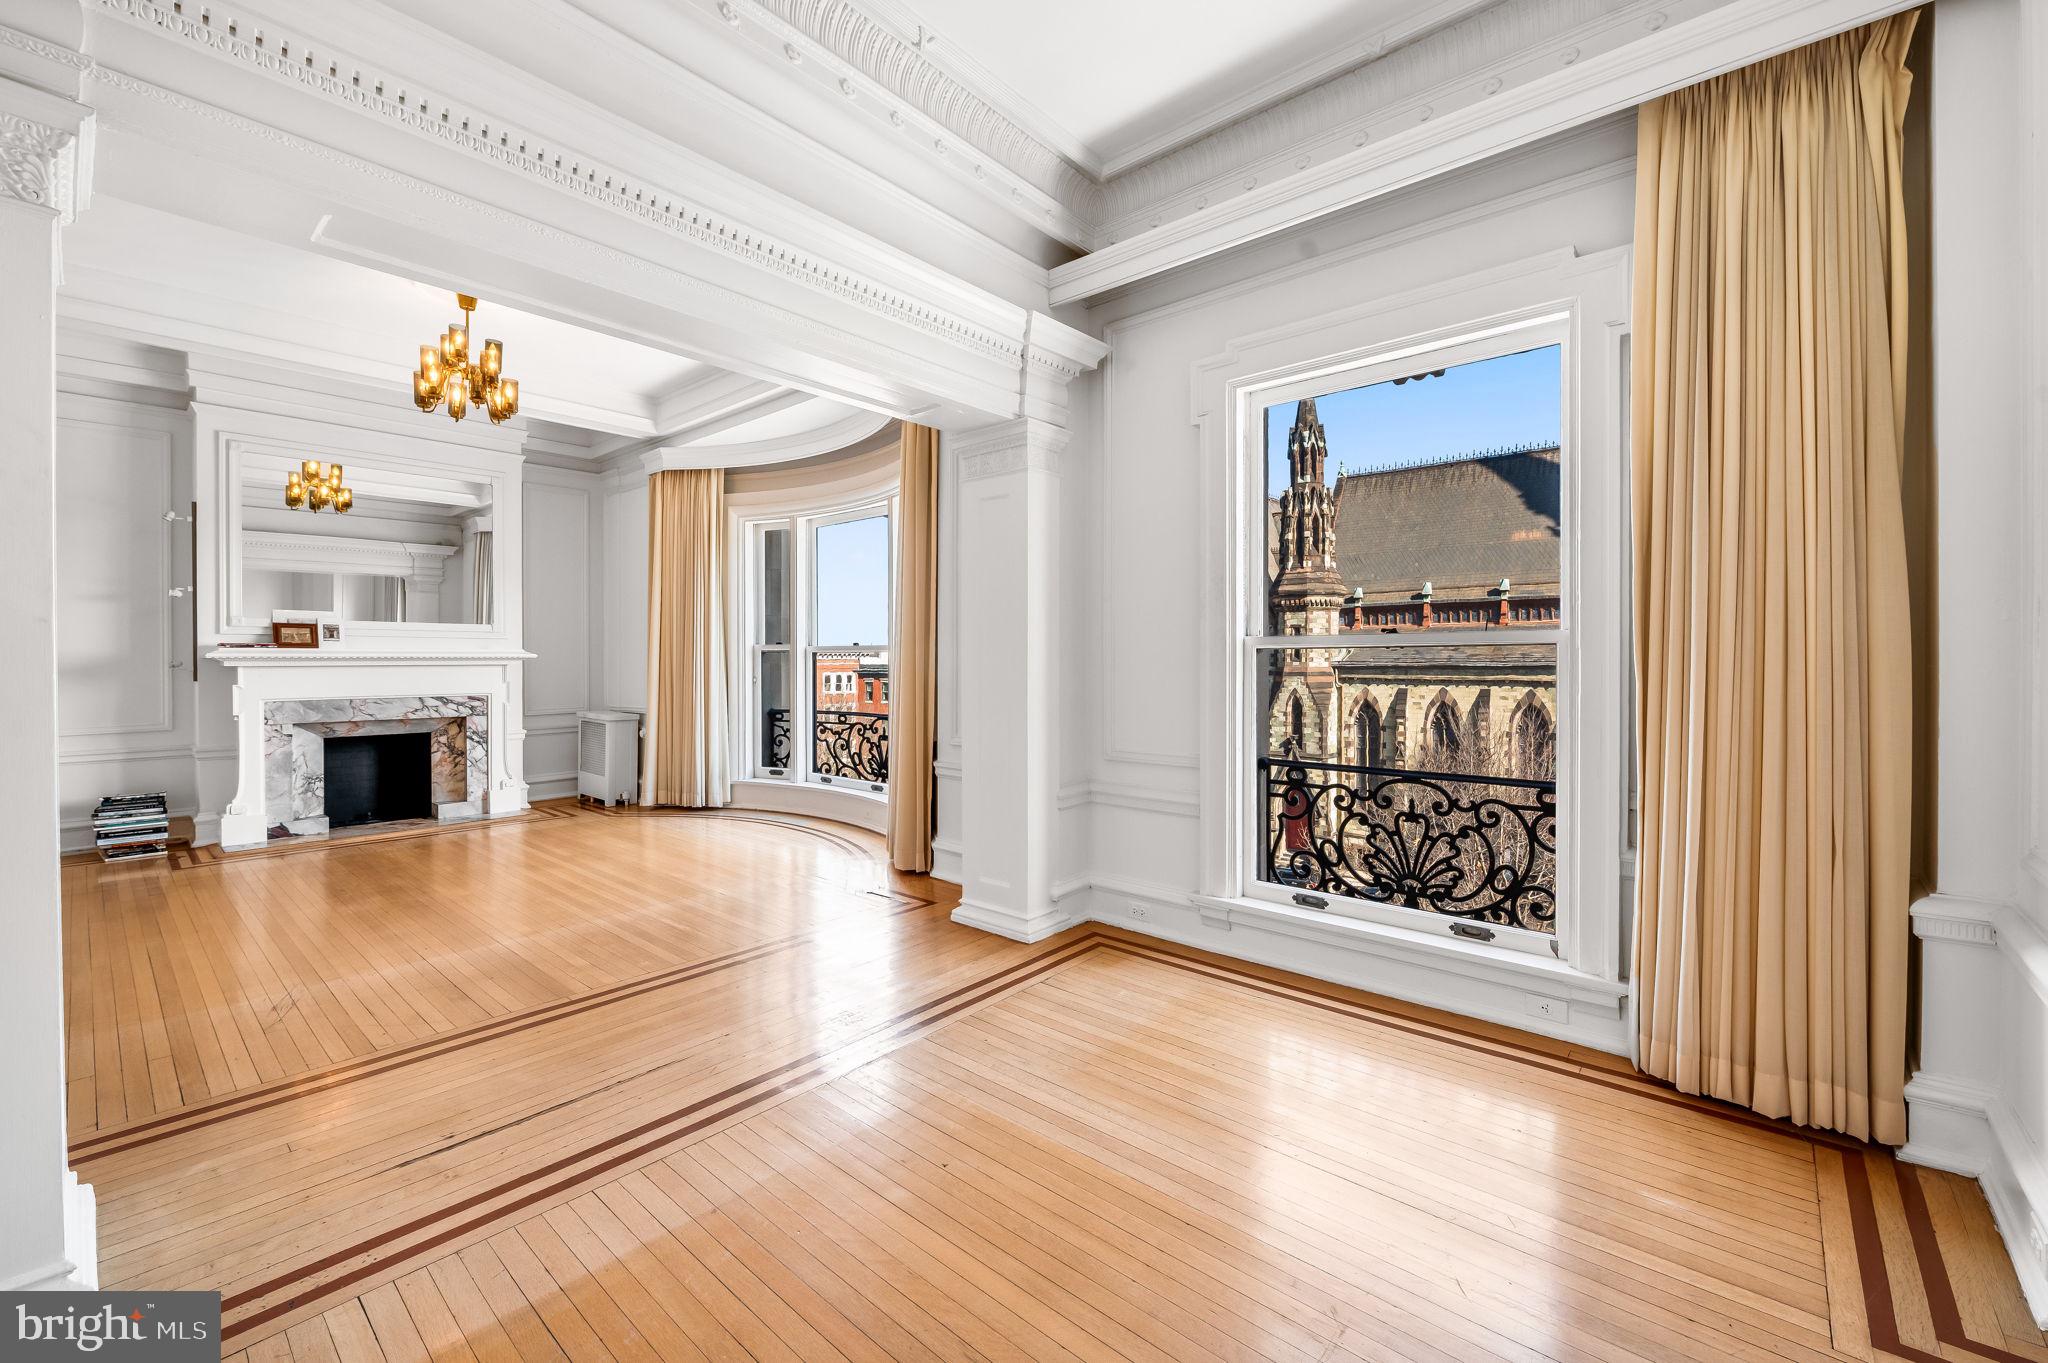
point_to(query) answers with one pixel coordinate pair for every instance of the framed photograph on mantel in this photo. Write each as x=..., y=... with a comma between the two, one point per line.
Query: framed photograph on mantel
x=295, y=634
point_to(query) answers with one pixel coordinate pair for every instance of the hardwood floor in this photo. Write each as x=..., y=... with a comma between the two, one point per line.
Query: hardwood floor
x=594, y=1086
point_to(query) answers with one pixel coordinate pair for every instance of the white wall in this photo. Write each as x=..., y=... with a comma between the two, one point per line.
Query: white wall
x=1133, y=542
x=564, y=624
x=624, y=556
x=1978, y=1103
x=124, y=644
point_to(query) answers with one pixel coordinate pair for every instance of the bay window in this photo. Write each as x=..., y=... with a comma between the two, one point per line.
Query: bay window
x=818, y=592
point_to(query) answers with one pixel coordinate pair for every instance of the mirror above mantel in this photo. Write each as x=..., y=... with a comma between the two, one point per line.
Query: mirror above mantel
x=415, y=555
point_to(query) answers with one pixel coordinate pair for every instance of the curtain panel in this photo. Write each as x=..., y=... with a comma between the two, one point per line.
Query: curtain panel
x=1772, y=635
x=913, y=654
x=685, y=762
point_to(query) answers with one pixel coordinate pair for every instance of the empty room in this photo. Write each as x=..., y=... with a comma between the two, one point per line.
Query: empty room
x=826, y=681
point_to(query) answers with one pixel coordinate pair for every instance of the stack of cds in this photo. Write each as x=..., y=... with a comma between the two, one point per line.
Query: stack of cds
x=131, y=827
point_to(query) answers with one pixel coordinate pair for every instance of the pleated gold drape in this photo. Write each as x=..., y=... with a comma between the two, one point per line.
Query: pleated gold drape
x=686, y=712
x=1772, y=635
x=913, y=654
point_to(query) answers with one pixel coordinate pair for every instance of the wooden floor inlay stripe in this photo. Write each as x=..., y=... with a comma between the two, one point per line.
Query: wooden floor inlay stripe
x=628, y=1087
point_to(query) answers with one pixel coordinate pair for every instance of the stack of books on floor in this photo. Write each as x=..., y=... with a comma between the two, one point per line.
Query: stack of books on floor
x=131, y=827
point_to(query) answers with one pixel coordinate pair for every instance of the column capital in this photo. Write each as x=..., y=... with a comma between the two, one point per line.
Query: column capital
x=1007, y=447
x=45, y=149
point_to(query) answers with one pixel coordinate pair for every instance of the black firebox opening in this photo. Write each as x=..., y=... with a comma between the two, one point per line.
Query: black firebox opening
x=376, y=778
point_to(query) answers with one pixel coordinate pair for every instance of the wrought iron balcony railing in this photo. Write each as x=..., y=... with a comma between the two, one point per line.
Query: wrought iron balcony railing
x=847, y=745
x=1481, y=848
x=775, y=751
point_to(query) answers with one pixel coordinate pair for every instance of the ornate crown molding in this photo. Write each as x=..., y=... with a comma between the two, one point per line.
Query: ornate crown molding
x=341, y=80
x=921, y=91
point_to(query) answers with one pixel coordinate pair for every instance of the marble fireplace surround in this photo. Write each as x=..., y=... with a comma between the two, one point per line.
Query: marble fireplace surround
x=286, y=702
x=295, y=734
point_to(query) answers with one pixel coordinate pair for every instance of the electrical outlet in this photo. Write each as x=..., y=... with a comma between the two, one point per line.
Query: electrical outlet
x=1550, y=1010
x=1138, y=910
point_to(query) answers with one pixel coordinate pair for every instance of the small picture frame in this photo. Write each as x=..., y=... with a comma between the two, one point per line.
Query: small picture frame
x=294, y=634
x=333, y=633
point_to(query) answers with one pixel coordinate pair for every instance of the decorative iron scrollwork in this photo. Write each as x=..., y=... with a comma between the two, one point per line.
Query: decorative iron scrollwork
x=1472, y=847
x=775, y=739
x=849, y=745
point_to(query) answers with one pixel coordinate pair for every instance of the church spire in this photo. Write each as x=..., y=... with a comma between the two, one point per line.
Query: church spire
x=1307, y=447
x=1306, y=588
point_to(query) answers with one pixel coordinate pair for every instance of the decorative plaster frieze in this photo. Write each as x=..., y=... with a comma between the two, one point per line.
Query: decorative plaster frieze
x=349, y=83
x=1012, y=447
x=44, y=51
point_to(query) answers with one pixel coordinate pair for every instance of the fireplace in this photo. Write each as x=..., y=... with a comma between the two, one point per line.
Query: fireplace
x=378, y=778
x=436, y=768
x=289, y=704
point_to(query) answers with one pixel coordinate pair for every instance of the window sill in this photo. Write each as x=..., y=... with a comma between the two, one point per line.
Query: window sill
x=1478, y=960
x=862, y=808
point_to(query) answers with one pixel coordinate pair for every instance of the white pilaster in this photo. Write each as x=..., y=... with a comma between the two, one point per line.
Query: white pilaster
x=46, y=1215
x=1008, y=514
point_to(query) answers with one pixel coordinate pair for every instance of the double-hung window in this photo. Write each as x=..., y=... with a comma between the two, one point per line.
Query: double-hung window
x=819, y=597
x=1402, y=639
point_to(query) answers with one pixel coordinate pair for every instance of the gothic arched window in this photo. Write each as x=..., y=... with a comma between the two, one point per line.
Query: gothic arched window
x=1297, y=724
x=1369, y=735
x=1532, y=753
x=1441, y=740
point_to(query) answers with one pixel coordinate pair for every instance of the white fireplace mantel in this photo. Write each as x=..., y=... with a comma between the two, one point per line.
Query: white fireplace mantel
x=271, y=674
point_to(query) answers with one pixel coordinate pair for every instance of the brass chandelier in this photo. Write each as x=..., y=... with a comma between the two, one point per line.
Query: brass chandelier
x=314, y=486
x=448, y=374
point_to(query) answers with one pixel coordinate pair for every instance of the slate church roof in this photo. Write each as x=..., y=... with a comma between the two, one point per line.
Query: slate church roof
x=1460, y=524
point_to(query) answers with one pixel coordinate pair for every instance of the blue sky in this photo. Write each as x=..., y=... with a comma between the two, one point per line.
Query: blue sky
x=853, y=582
x=1508, y=400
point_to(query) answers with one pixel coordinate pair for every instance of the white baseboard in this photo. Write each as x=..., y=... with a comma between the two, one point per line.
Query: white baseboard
x=553, y=786
x=946, y=861
x=1016, y=927
x=79, y=1269
x=1968, y=1129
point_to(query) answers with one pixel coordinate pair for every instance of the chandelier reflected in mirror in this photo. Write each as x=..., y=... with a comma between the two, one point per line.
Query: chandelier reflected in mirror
x=314, y=486
x=448, y=373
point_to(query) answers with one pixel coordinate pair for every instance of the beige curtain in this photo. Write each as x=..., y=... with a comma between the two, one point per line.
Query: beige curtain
x=686, y=748
x=913, y=655
x=1773, y=667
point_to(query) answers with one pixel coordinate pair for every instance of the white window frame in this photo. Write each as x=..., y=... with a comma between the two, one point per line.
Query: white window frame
x=803, y=519
x=1581, y=304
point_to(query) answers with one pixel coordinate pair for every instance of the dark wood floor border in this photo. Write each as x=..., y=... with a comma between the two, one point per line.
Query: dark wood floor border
x=736, y=1100
x=229, y=1106
x=739, y=1099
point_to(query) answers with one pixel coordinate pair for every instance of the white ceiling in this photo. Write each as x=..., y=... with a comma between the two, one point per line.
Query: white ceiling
x=1126, y=79
x=186, y=284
